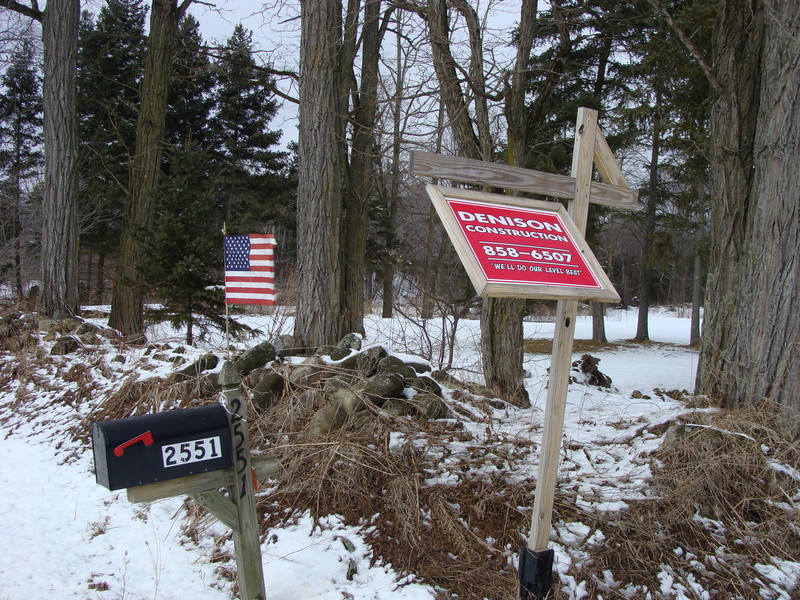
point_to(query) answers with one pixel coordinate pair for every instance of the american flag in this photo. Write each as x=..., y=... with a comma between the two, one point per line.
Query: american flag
x=249, y=269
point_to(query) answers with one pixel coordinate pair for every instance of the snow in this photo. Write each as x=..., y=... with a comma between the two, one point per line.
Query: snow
x=67, y=537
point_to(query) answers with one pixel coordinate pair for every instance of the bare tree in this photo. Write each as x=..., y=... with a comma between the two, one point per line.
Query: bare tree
x=751, y=336
x=60, y=214
x=319, y=186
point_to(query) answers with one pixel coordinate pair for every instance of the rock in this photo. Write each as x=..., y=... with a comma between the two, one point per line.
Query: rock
x=89, y=338
x=47, y=324
x=447, y=380
x=587, y=367
x=429, y=406
x=71, y=323
x=425, y=384
x=398, y=407
x=352, y=341
x=339, y=353
x=286, y=345
x=268, y=390
x=334, y=384
x=85, y=328
x=308, y=372
x=326, y=419
x=364, y=364
x=66, y=344
x=204, y=363
x=257, y=356
x=392, y=364
x=348, y=399
x=382, y=386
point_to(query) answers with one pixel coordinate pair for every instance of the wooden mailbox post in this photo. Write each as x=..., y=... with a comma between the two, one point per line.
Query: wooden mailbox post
x=217, y=458
x=502, y=243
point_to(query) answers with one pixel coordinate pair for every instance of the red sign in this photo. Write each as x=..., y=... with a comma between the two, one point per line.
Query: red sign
x=522, y=245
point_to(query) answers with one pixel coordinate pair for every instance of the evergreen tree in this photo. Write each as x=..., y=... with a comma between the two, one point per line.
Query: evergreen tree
x=183, y=251
x=20, y=150
x=110, y=64
x=245, y=105
x=190, y=100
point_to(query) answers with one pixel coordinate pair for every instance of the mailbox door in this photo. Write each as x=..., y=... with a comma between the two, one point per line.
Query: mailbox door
x=161, y=446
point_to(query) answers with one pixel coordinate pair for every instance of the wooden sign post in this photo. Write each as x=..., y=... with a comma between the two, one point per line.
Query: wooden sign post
x=590, y=150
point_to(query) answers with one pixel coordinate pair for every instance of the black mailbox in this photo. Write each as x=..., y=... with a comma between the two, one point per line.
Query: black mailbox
x=161, y=446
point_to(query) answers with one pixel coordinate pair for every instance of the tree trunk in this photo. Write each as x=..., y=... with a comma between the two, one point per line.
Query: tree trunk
x=319, y=189
x=127, y=302
x=646, y=274
x=354, y=238
x=388, y=260
x=599, y=322
x=503, y=353
x=502, y=337
x=750, y=346
x=697, y=299
x=60, y=212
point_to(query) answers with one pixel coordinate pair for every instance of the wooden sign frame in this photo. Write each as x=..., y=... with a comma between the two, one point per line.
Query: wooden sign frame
x=537, y=285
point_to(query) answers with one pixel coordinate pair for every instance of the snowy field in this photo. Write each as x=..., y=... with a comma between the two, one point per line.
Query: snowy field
x=66, y=537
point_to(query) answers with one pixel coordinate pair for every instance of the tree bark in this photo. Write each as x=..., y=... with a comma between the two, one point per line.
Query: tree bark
x=60, y=212
x=127, y=302
x=502, y=336
x=354, y=238
x=394, y=192
x=750, y=346
x=697, y=299
x=449, y=88
x=646, y=271
x=319, y=190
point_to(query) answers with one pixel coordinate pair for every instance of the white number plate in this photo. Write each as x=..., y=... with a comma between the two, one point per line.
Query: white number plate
x=191, y=452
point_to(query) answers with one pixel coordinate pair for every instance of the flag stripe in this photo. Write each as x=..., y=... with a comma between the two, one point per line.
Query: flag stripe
x=249, y=269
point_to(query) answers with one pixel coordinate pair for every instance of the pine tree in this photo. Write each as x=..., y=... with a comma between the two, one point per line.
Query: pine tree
x=190, y=100
x=110, y=64
x=20, y=149
x=245, y=105
x=183, y=251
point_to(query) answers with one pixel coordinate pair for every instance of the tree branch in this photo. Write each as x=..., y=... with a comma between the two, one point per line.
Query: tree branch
x=690, y=46
x=32, y=11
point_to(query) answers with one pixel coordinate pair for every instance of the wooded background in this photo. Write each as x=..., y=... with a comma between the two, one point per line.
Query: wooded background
x=124, y=147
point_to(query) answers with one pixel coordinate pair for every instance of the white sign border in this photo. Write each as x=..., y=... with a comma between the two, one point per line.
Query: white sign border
x=483, y=287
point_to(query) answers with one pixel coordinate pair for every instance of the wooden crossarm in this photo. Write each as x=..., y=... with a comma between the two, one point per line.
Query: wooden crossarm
x=466, y=170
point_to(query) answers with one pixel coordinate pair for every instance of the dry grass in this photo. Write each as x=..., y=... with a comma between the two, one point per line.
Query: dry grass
x=718, y=509
x=714, y=494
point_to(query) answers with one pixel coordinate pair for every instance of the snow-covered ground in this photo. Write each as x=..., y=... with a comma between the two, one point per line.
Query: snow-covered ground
x=65, y=537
